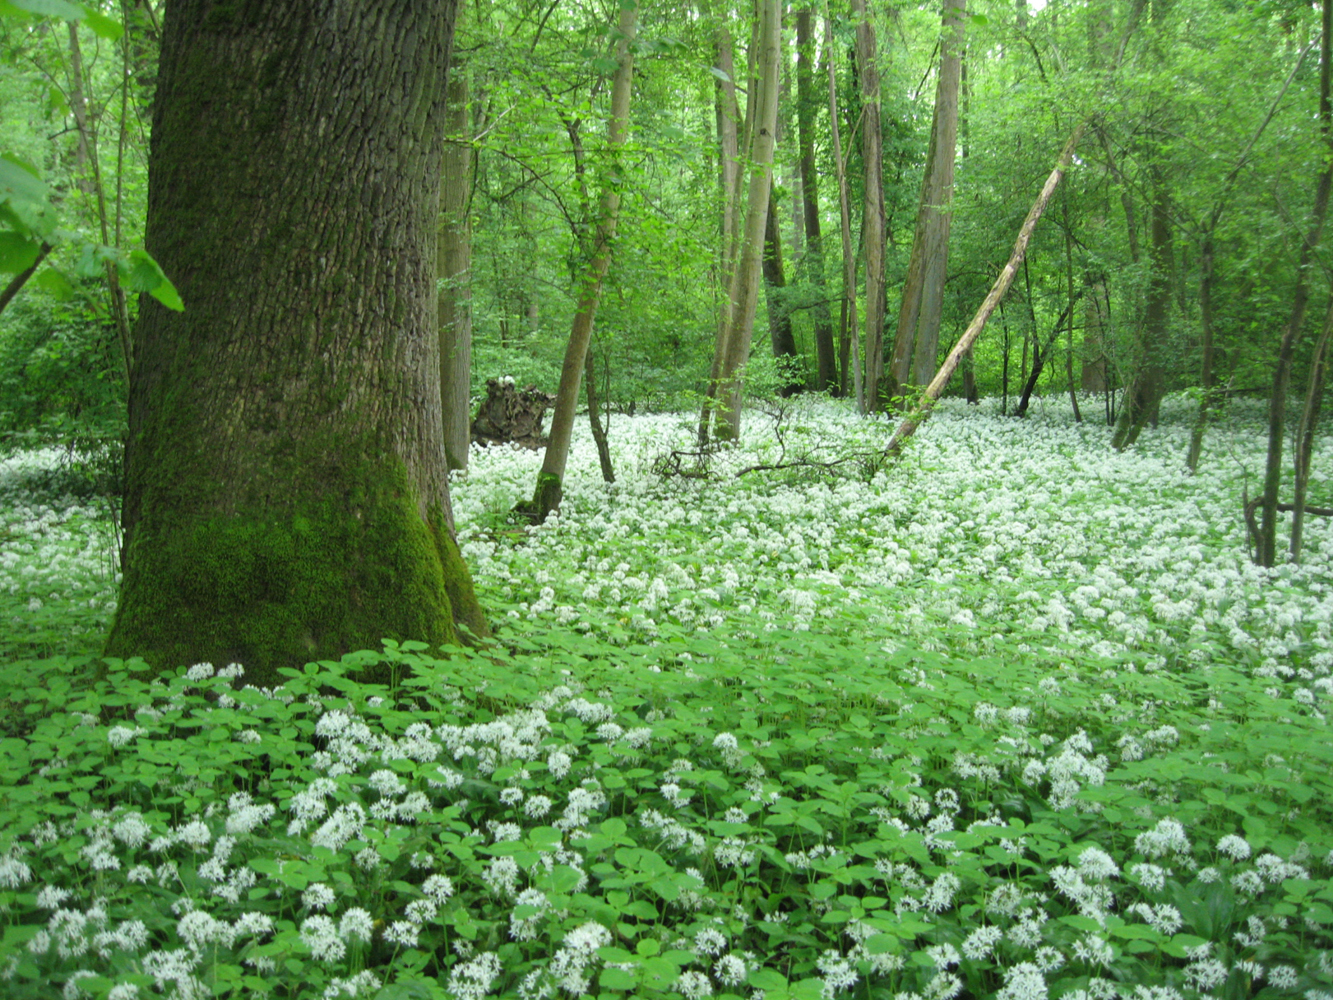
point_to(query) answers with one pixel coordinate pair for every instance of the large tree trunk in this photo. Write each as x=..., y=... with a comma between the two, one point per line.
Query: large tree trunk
x=286, y=488
x=733, y=351
x=874, y=226
x=455, y=267
x=550, y=480
x=806, y=103
x=918, y=335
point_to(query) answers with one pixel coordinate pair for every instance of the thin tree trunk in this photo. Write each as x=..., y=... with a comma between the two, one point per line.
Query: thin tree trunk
x=727, y=114
x=780, y=333
x=1305, y=432
x=850, y=363
x=550, y=481
x=1143, y=394
x=1039, y=358
x=874, y=220
x=825, y=351
x=1206, y=376
x=727, y=392
x=599, y=435
x=1092, y=370
x=1072, y=299
x=1266, y=554
x=916, y=344
x=16, y=283
x=455, y=272
x=286, y=494
x=1006, y=278
x=91, y=183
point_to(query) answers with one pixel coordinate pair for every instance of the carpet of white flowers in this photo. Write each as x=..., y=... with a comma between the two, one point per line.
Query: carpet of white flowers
x=1013, y=718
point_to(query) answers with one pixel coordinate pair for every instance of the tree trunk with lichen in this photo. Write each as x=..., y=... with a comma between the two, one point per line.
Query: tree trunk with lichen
x=286, y=486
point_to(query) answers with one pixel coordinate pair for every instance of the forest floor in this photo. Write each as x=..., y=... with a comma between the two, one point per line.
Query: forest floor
x=1013, y=717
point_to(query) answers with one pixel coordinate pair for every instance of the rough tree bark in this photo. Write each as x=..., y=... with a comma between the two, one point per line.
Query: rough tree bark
x=550, y=480
x=286, y=492
x=455, y=267
x=874, y=225
x=917, y=342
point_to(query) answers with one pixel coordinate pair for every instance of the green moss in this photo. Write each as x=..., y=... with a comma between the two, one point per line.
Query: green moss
x=329, y=575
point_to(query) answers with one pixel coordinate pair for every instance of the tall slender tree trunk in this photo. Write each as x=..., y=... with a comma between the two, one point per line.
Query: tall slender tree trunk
x=727, y=115
x=455, y=273
x=88, y=169
x=874, y=219
x=1277, y=402
x=286, y=494
x=550, y=481
x=1206, y=375
x=727, y=391
x=1305, y=433
x=807, y=103
x=848, y=348
x=916, y=344
x=1143, y=394
x=932, y=393
x=781, y=336
x=1092, y=367
x=595, y=421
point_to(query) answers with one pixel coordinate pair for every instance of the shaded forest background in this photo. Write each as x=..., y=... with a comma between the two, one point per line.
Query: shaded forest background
x=1168, y=260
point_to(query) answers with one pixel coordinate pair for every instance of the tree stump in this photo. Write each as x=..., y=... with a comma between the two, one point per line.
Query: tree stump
x=509, y=414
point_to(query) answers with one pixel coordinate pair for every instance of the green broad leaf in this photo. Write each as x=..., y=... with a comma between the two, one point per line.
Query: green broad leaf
x=42, y=8
x=19, y=179
x=103, y=26
x=414, y=989
x=617, y=979
x=142, y=274
x=720, y=74
x=17, y=252
x=55, y=284
x=767, y=980
x=980, y=20
x=881, y=944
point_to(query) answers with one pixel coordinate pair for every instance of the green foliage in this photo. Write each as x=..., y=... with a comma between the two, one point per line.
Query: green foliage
x=815, y=808
x=62, y=377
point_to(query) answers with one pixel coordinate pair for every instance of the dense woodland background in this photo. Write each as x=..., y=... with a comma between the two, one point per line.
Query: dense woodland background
x=1168, y=259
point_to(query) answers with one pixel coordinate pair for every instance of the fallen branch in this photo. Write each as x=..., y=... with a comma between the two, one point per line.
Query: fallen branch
x=1006, y=278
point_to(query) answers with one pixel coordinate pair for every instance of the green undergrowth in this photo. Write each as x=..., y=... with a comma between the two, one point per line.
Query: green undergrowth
x=751, y=811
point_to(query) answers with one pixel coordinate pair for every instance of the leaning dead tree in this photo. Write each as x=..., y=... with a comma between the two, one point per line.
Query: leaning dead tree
x=1006, y=278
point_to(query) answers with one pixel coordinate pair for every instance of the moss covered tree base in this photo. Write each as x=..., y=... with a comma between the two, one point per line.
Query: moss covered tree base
x=286, y=584
x=546, y=499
